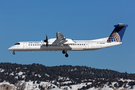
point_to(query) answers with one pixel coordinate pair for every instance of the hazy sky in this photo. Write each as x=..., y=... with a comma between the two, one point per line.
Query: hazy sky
x=32, y=20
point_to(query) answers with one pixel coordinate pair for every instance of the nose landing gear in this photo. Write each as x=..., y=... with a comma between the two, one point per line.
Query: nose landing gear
x=65, y=52
x=13, y=52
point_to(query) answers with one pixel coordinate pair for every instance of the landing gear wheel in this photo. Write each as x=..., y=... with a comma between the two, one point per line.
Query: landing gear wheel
x=13, y=52
x=63, y=51
x=66, y=55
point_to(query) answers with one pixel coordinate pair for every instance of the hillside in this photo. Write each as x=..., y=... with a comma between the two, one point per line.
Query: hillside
x=39, y=77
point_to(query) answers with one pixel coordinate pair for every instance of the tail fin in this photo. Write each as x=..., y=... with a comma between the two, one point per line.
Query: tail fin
x=117, y=34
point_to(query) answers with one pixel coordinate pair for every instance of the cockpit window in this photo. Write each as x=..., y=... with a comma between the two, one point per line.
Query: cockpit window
x=17, y=44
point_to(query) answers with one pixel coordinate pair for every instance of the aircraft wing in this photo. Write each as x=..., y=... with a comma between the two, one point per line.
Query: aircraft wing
x=60, y=36
x=61, y=39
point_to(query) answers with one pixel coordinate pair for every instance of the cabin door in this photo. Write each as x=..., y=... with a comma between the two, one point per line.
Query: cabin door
x=87, y=45
x=24, y=45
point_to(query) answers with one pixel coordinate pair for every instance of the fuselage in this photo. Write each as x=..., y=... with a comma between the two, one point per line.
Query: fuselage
x=60, y=43
x=53, y=45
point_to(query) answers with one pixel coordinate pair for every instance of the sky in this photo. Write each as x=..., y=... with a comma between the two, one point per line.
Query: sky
x=32, y=20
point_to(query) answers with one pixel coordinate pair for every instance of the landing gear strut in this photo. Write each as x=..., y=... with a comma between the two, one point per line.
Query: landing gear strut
x=13, y=52
x=65, y=52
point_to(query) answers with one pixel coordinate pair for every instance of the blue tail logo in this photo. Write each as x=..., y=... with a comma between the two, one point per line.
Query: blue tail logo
x=117, y=34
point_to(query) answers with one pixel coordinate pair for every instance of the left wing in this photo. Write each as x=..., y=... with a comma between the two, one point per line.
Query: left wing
x=62, y=39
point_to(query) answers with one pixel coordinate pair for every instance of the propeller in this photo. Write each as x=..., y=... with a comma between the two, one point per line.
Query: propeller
x=46, y=40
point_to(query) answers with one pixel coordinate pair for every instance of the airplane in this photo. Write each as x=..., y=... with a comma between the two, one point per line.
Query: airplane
x=60, y=43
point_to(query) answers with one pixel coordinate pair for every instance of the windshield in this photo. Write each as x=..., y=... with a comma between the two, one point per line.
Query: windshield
x=17, y=44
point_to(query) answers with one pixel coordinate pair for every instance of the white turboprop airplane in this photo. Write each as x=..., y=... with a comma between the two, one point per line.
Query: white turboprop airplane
x=64, y=44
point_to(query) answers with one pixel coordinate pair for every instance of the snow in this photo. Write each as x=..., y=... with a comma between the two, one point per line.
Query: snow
x=1, y=70
x=47, y=75
x=114, y=83
x=20, y=73
x=34, y=86
x=75, y=87
x=93, y=88
x=128, y=80
x=75, y=69
x=65, y=88
x=56, y=89
x=120, y=88
x=16, y=77
x=29, y=85
x=45, y=84
x=12, y=74
x=60, y=78
x=38, y=75
x=68, y=79
x=23, y=76
x=7, y=83
x=106, y=88
x=67, y=82
x=63, y=78
x=129, y=88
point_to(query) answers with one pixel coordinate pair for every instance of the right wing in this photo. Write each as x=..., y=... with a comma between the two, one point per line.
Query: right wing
x=60, y=36
x=62, y=39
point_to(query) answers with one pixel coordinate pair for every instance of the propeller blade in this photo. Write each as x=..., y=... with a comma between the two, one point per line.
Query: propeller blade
x=46, y=37
x=46, y=40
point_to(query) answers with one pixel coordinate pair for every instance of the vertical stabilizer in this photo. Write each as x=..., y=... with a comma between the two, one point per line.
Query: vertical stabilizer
x=117, y=34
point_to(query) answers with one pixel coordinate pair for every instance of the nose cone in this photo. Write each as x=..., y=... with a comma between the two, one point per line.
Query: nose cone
x=10, y=49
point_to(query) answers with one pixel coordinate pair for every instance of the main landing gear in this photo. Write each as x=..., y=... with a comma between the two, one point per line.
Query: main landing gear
x=65, y=52
x=13, y=52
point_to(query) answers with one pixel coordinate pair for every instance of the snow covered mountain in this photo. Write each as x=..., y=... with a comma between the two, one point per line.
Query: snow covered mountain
x=66, y=77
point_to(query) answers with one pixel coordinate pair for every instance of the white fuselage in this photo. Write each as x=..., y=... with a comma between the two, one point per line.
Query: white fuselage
x=53, y=45
x=60, y=43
